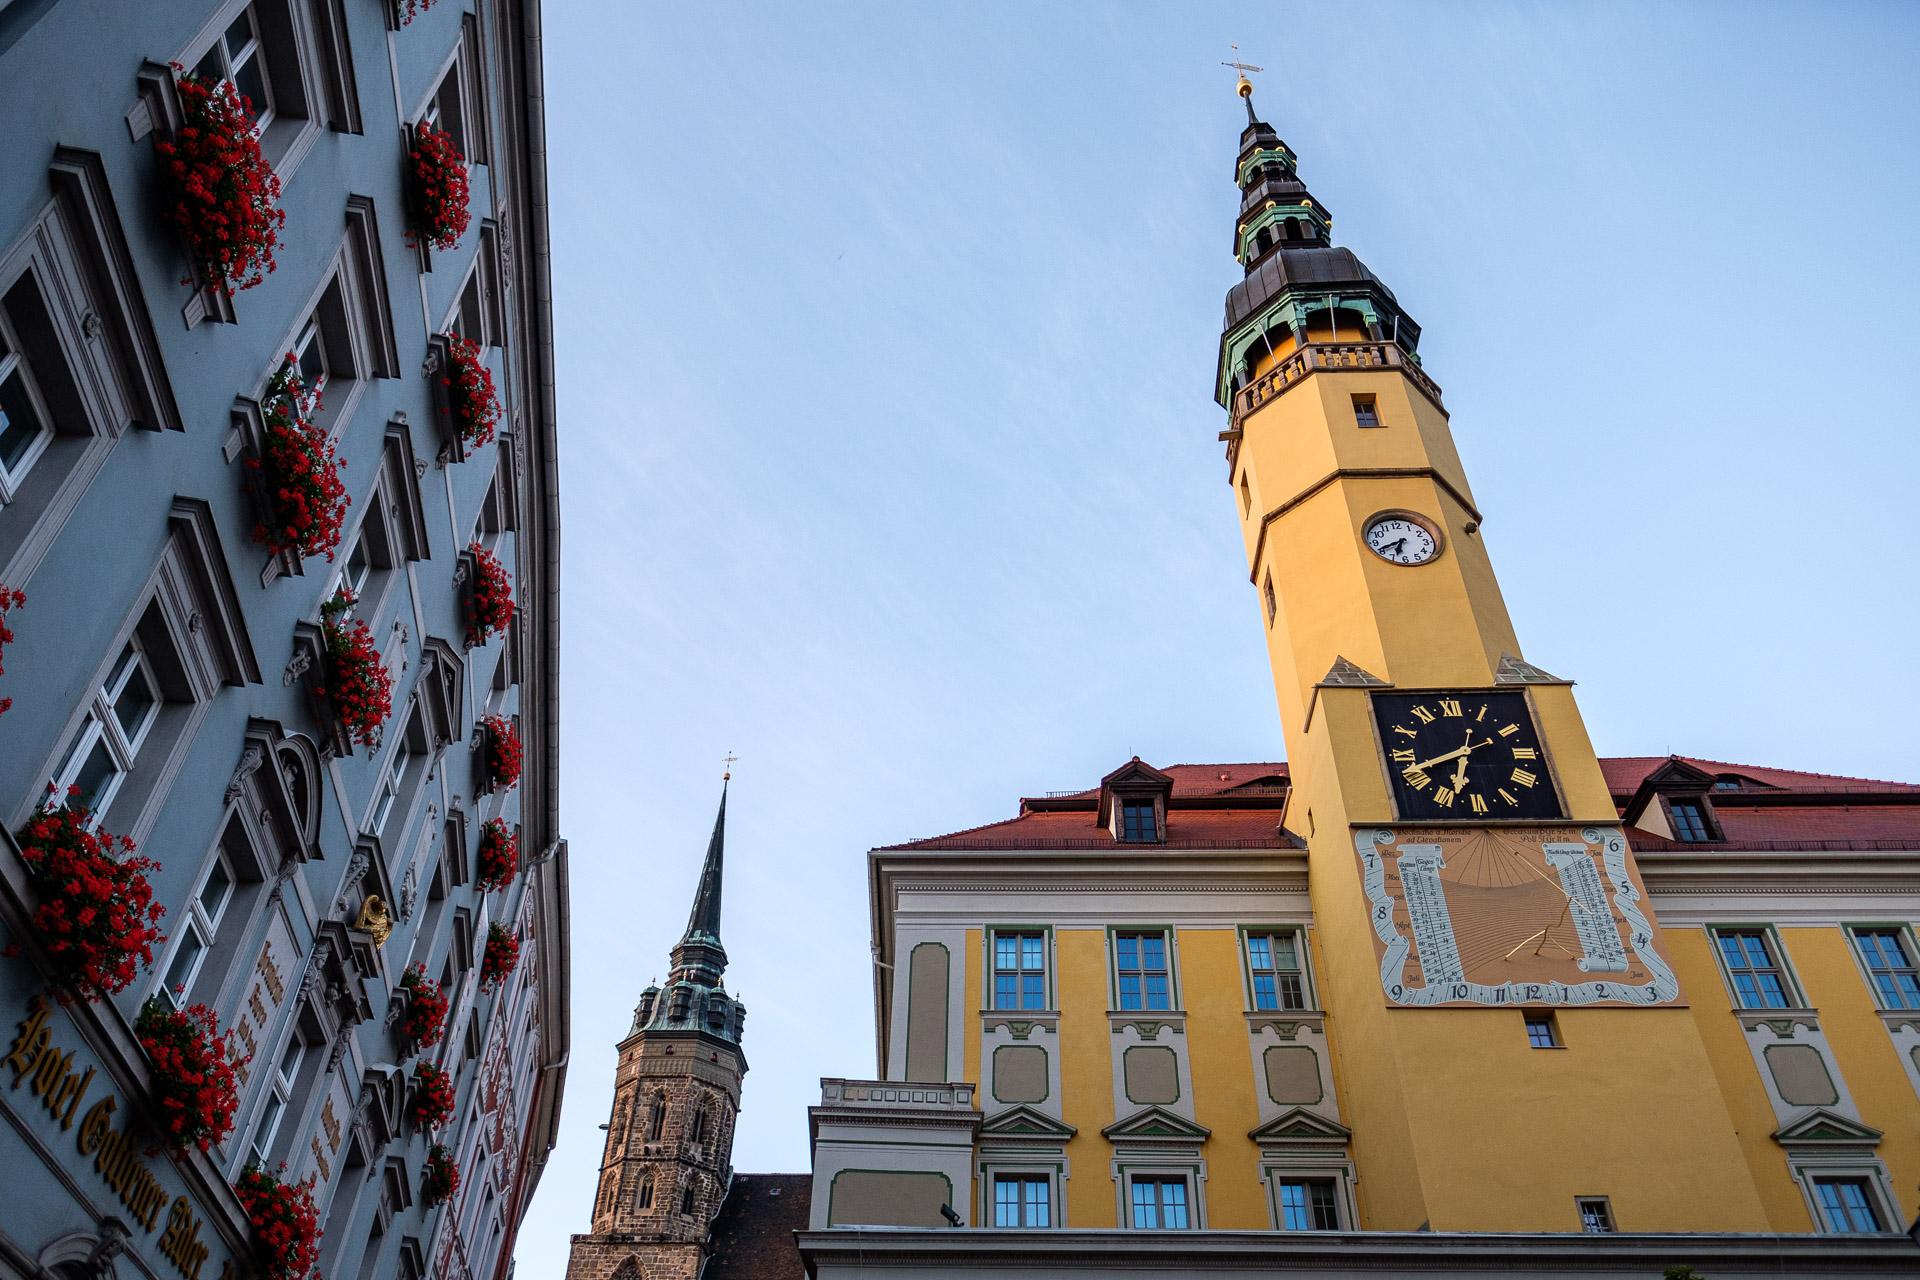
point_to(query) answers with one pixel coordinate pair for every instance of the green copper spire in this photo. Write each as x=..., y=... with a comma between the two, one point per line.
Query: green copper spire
x=694, y=998
x=703, y=921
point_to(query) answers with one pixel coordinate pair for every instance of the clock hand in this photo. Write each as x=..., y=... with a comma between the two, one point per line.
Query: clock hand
x=1457, y=751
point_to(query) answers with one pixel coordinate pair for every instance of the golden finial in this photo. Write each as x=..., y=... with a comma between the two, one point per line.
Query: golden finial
x=1245, y=86
x=726, y=773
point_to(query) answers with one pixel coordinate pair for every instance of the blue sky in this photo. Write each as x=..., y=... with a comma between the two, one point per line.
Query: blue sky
x=886, y=337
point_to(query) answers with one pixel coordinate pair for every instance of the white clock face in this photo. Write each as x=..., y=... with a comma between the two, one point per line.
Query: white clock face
x=1401, y=541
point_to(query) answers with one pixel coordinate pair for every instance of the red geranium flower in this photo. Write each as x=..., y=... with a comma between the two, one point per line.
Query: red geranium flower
x=431, y=1101
x=489, y=596
x=286, y=1225
x=357, y=683
x=503, y=752
x=471, y=399
x=440, y=1179
x=499, y=858
x=223, y=197
x=426, y=1015
x=436, y=188
x=9, y=599
x=195, y=1091
x=411, y=9
x=97, y=920
x=306, y=498
x=500, y=957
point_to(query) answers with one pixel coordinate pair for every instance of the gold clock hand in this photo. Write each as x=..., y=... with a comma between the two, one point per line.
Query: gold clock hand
x=1457, y=751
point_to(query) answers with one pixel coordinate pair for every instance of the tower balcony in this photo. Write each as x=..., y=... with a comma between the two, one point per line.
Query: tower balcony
x=1332, y=356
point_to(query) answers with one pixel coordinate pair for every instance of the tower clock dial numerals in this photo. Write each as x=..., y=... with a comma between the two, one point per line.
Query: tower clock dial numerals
x=1400, y=539
x=1463, y=752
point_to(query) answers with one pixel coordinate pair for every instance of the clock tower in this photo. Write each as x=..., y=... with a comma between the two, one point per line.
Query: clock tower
x=1467, y=862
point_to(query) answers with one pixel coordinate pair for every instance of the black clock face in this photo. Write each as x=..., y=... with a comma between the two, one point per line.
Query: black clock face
x=1464, y=755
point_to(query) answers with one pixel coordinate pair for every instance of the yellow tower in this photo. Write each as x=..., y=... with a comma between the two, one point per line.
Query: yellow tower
x=1472, y=888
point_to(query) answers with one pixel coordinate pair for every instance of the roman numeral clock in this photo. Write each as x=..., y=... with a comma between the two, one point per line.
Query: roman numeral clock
x=1481, y=893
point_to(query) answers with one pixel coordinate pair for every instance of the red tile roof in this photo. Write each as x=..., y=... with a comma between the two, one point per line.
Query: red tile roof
x=1624, y=775
x=753, y=1232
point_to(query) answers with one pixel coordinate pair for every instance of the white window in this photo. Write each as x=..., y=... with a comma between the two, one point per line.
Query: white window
x=1847, y=1204
x=1309, y=1204
x=309, y=353
x=1022, y=1200
x=119, y=716
x=197, y=928
x=239, y=57
x=395, y=774
x=355, y=569
x=1159, y=1203
x=1596, y=1215
x=26, y=426
x=279, y=1097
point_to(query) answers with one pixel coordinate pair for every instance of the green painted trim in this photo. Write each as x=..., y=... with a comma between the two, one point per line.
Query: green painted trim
x=906, y=1059
x=1046, y=1075
x=1283, y=153
x=1173, y=968
x=1308, y=991
x=1307, y=210
x=1787, y=976
x=1127, y=1089
x=1905, y=930
x=1292, y=308
x=1319, y=1079
x=834, y=1185
x=988, y=934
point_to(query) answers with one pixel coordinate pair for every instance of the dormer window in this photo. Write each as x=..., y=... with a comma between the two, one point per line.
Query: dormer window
x=1690, y=825
x=1137, y=821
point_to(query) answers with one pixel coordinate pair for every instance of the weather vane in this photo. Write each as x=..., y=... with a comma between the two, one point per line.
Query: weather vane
x=726, y=773
x=1245, y=86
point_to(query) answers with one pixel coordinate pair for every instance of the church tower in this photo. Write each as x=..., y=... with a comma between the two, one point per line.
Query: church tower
x=1468, y=865
x=676, y=1095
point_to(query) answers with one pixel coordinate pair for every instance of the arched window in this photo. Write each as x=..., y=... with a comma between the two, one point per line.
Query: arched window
x=698, y=1131
x=1293, y=228
x=656, y=1118
x=686, y=1197
x=643, y=1198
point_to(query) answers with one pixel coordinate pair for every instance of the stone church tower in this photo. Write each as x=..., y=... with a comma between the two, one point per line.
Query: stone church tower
x=675, y=1096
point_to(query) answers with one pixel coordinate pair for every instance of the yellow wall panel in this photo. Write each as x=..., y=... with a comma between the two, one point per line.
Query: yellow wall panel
x=1223, y=1083
x=1086, y=1074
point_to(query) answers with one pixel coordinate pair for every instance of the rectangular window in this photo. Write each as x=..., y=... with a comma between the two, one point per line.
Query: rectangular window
x=26, y=425
x=1246, y=496
x=197, y=927
x=393, y=782
x=1890, y=964
x=239, y=57
x=1309, y=1204
x=1273, y=961
x=1022, y=1200
x=1543, y=1032
x=1689, y=821
x=1272, y=609
x=1137, y=821
x=1019, y=970
x=122, y=711
x=1364, y=412
x=279, y=1097
x=1160, y=1204
x=1596, y=1215
x=1140, y=961
x=1753, y=969
x=1846, y=1204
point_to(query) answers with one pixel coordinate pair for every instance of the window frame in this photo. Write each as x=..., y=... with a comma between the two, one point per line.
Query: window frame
x=279, y=1095
x=15, y=364
x=1596, y=1215
x=1543, y=1018
x=1875, y=1199
x=993, y=935
x=1371, y=406
x=1776, y=951
x=1023, y=1178
x=100, y=726
x=256, y=52
x=1309, y=1182
x=197, y=922
x=1904, y=941
x=1249, y=973
x=1130, y=807
x=1162, y=1178
x=1115, y=975
x=1700, y=807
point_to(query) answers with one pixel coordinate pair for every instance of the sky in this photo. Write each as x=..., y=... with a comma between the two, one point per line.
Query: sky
x=886, y=336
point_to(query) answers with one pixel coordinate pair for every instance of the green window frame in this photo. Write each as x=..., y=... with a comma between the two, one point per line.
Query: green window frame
x=1755, y=966
x=1887, y=954
x=1019, y=967
x=1142, y=968
x=1275, y=959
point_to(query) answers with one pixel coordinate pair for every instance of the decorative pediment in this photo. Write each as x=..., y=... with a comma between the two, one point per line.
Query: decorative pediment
x=1156, y=1124
x=1299, y=1127
x=1821, y=1127
x=1027, y=1124
x=1676, y=777
x=1513, y=670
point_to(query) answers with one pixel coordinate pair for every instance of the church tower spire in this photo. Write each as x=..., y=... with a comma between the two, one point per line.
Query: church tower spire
x=676, y=1096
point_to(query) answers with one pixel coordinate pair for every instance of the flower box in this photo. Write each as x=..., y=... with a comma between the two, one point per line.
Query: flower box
x=355, y=683
x=437, y=196
x=11, y=598
x=430, y=1103
x=425, y=1018
x=502, y=954
x=221, y=194
x=97, y=922
x=466, y=402
x=489, y=595
x=440, y=1179
x=499, y=856
x=195, y=1091
x=299, y=498
x=286, y=1225
x=501, y=753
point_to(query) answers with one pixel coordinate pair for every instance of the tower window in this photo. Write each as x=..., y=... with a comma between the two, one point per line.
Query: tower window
x=1846, y=1204
x=1689, y=821
x=1140, y=965
x=1365, y=412
x=1137, y=821
x=1246, y=496
x=1543, y=1031
x=1308, y=1204
x=1273, y=962
x=1273, y=610
x=656, y=1119
x=686, y=1197
x=1019, y=971
x=697, y=1131
x=1596, y=1215
x=645, y=1199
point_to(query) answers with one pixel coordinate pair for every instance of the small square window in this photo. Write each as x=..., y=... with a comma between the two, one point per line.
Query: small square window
x=1596, y=1215
x=1543, y=1031
x=1689, y=821
x=1137, y=821
x=1365, y=413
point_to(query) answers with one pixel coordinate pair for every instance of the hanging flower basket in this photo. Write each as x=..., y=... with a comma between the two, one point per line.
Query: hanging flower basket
x=357, y=684
x=408, y=10
x=426, y=1015
x=286, y=1225
x=489, y=596
x=472, y=402
x=503, y=753
x=222, y=195
x=97, y=921
x=9, y=599
x=502, y=954
x=436, y=188
x=195, y=1092
x=431, y=1101
x=440, y=1179
x=304, y=500
x=499, y=860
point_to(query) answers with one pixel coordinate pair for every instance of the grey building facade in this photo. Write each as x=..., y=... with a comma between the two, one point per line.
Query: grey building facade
x=175, y=669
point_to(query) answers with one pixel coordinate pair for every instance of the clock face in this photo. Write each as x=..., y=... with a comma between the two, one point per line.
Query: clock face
x=1401, y=540
x=1464, y=754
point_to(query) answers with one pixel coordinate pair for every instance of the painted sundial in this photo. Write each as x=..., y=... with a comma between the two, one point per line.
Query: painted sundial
x=1511, y=916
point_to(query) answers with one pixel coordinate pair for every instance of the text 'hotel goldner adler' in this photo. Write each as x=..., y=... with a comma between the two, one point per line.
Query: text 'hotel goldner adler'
x=1444, y=993
x=276, y=478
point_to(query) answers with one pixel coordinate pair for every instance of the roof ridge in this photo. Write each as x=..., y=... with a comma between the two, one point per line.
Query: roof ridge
x=1804, y=773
